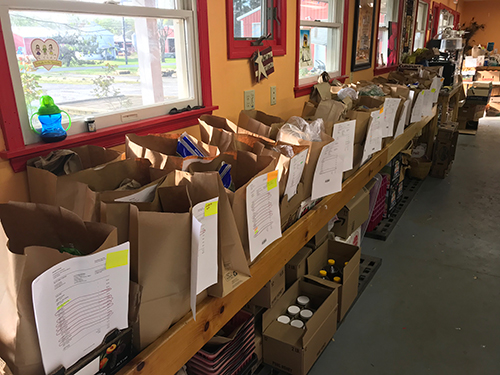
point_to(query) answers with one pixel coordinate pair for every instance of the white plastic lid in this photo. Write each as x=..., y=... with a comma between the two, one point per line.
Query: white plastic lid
x=306, y=314
x=297, y=323
x=293, y=310
x=283, y=319
x=303, y=300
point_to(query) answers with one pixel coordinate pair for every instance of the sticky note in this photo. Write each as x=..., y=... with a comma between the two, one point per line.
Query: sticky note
x=211, y=208
x=381, y=111
x=117, y=259
x=433, y=90
x=423, y=92
x=272, y=180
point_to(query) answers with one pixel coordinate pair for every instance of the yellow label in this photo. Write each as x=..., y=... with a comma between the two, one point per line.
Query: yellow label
x=64, y=304
x=433, y=90
x=117, y=259
x=423, y=92
x=211, y=208
x=272, y=180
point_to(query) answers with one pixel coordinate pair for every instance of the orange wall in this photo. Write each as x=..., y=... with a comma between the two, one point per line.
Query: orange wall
x=487, y=12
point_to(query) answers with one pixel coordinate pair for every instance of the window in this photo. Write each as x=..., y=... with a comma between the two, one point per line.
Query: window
x=446, y=20
x=249, y=20
x=320, y=39
x=421, y=26
x=443, y=17
x=389, y=26
x=121, y=62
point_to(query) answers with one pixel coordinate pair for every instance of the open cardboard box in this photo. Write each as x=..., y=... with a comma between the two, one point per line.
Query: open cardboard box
x=297, y=266
x=341, y=253
x=271, y=292
x=353, y=214
x=294, y=350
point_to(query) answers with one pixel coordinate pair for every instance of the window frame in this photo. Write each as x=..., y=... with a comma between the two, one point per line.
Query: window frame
x=243, y=49
x=427, y=21
x=387, y=69
x=436, y=11
x=18, y=153
x=305, y=88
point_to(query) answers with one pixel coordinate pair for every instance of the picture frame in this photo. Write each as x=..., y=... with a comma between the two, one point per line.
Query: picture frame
x=364, y=26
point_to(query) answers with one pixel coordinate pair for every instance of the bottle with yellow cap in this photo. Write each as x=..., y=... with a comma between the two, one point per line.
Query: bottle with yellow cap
x=337, y=279
x=332, y=270
x=323, y=275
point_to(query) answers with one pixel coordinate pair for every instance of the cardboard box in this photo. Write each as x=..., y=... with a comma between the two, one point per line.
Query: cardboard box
x=354, y=238
x=318, y=238
x=353, y=214
x=444, y=149
x=295, y=350
x=471, y=111
x=271, y=292
x=479, y=92
x=488, y=75
x=341, y=253
x=493, y=107
x=297, y=266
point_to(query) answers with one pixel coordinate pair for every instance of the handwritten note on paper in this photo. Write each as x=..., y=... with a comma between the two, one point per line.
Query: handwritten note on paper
x=344, y=133
x=297, y=165
x=373, y=141
x=328, y=174
x=402, y=120
x=391, y=106
x=78, y=301
x=418, y=108
x=263, y=214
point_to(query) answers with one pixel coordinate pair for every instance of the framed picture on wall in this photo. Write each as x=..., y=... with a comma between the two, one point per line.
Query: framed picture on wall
x=364, y=21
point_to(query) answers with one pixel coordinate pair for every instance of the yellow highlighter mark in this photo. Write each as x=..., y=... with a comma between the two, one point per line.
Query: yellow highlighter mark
x=211, y=208
x=272, y=180
x=117, y=259
x=64, y=304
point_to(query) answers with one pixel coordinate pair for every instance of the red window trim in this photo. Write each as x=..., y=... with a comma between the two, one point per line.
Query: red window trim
x=387, y=69
x=306, y=89
x=436, y=10
x=10, y=124
x=426, y=36
x=242, y=49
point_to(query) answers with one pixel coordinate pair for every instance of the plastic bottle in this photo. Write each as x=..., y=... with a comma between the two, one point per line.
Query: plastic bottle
x=306, y=314
x=337, y=280
x=283, y=319
x=332, y=270
x=303, y=302
x=323, y=275
x=297, y=323
x=293, y=311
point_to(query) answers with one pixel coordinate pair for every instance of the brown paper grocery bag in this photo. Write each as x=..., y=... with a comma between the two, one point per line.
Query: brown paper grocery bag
x=30, y=238
x=160, y=149
x=257, y=122
x=245, y=167
x=233, y=266
x=44, y=185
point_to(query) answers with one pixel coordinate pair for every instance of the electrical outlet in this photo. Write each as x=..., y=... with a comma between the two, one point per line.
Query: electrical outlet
x=249, y=100
x=273, y=95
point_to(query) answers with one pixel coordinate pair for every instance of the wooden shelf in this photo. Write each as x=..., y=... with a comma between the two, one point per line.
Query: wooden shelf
x=176, y=346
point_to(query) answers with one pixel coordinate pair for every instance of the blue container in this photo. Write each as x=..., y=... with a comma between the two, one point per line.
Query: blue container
x=50, y=117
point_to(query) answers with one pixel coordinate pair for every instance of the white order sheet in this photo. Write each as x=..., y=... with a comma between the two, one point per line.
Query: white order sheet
x=297, y=164
x=328, y=173
x=373, y=141
x=391, y=106
x=418, y=108
x=78, y=302
x=204, y=231
x=344, y=133
x=263, y=213
x=402, y=120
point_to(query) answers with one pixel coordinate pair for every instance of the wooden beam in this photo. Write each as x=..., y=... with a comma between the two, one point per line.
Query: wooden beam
x=176, y=346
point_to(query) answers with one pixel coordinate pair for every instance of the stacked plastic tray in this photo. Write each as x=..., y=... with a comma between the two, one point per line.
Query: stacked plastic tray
x=230, y=352
x=380, y=207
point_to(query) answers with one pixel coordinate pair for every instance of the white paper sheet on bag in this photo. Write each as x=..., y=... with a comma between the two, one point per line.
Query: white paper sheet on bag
x=427, y=108
x=204, y=266
x=344, y=133
x=418, y=109
x=78, y=302
x=296, y=168
x=373, y=141
x=145, y=195
x=437, y=83
x=411, y=98
x=328, y=174
x=263, y=214
x=401, y=124
x=391, y=106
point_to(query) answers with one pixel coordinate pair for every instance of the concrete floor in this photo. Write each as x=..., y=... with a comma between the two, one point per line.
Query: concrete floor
x=434, y=305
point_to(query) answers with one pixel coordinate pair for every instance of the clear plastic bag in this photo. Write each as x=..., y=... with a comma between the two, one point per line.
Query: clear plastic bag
x=298, y=128
x=371, y=90
x=347, y=92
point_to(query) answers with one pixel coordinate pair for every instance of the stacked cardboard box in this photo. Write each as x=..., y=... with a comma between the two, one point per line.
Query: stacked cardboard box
x=444, y=149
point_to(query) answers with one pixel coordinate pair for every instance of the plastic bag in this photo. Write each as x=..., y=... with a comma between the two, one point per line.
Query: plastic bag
x=347, y=92
x=297, y=127
x=225, y=176
x=186, y=147
x=371, y=90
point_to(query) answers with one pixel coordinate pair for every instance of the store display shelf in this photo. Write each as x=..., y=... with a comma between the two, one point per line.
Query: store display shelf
x=176, y=346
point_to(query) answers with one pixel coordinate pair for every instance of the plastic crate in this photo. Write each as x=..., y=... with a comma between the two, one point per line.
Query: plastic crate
x=379, y=210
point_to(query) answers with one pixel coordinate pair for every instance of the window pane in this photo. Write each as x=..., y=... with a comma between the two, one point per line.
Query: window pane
x=387, y=33
x=422, y=16
x=107, y=63
x=247, y=15
x=311, y=10
x=161, y=4
x=319, y=51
